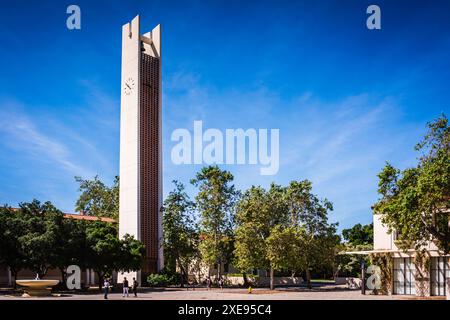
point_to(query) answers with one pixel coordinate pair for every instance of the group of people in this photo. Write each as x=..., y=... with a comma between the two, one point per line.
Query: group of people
x=220, y=282
x=125, y=285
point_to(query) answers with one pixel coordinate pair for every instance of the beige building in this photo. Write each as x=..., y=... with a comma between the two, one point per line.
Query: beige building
x=412, y=273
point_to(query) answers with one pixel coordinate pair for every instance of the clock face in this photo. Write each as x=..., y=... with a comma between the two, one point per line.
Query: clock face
x=129, y=86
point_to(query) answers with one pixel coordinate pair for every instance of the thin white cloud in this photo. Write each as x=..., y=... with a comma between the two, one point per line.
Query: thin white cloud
x=339, y=145
x=22, y=134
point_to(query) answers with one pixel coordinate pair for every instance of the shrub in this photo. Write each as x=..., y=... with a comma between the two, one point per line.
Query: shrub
x=159, y=280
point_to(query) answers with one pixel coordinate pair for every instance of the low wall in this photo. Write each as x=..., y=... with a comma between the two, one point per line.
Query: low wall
x=287, y=281
x=264, y=281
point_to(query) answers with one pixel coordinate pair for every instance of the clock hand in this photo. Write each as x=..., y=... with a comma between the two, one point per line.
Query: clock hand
x=128, y=86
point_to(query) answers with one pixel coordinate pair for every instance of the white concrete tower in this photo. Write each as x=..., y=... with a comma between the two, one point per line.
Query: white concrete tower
x=140, y=144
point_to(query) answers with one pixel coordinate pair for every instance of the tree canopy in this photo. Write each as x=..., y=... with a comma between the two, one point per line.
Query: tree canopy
x=359, y=234
x=415, y=202
x=215, y=201
x=180, y=231
x=37, y=236
x=285, y=228
x=97, y=199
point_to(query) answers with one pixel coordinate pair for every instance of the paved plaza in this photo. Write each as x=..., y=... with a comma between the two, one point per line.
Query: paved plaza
x=318, y=293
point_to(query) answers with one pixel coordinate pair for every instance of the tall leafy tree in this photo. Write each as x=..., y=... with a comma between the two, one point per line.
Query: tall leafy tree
x=314, y=236
x=12, y=227
x=258, y=213
x=416, y=202
x=215, y=202
x=103, y=248
x=180, y=231
x=70, y=245
x=97, y=199
x=105, y=252
x=39, y=241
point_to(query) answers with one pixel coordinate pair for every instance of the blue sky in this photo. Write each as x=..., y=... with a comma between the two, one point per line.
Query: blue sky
x=345, y=98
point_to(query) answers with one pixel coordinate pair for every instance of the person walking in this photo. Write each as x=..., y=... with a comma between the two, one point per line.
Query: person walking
x=106, y=285
x=221, y=283
x=208, y=283
x=135, y=287
x=126, y=287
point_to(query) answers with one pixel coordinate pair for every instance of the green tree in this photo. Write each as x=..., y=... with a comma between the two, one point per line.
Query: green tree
x=258, y=213
x=357, y=238
x=180, y=232
x=103, y=248
x=416, y=202
x=285, y=249
x=105, y=252
x=37, y=236
x=359, y=234
x=11, y=229
x=315, y=236
x=130, y=255
x=70, y=245
x=215, y=201
x=97, y=199
x=39, y=241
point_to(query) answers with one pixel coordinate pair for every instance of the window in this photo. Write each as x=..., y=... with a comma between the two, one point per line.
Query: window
x=440, y=272
x=404, y=281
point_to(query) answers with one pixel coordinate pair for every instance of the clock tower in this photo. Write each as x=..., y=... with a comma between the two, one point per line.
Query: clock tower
x=140, y=144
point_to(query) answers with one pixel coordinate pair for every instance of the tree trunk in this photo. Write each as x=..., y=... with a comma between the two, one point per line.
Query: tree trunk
x=209, y=277
x=63, y=277
x=272, y=280
x=308, y=279
x=14, y=274
x=100, y=280
x=244, y=276
x=181, y=274
x=219, y=269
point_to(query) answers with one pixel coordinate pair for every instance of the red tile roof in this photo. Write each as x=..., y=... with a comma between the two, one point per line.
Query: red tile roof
x=90, y=218
x=81, y=216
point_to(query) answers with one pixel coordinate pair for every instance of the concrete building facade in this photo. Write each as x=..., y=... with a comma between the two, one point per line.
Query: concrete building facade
x=140, y=144
x=413, y=273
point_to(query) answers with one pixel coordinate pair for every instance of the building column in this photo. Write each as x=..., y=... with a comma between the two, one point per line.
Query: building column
x=92, y=276
x=88, y=280
x=9, y=277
